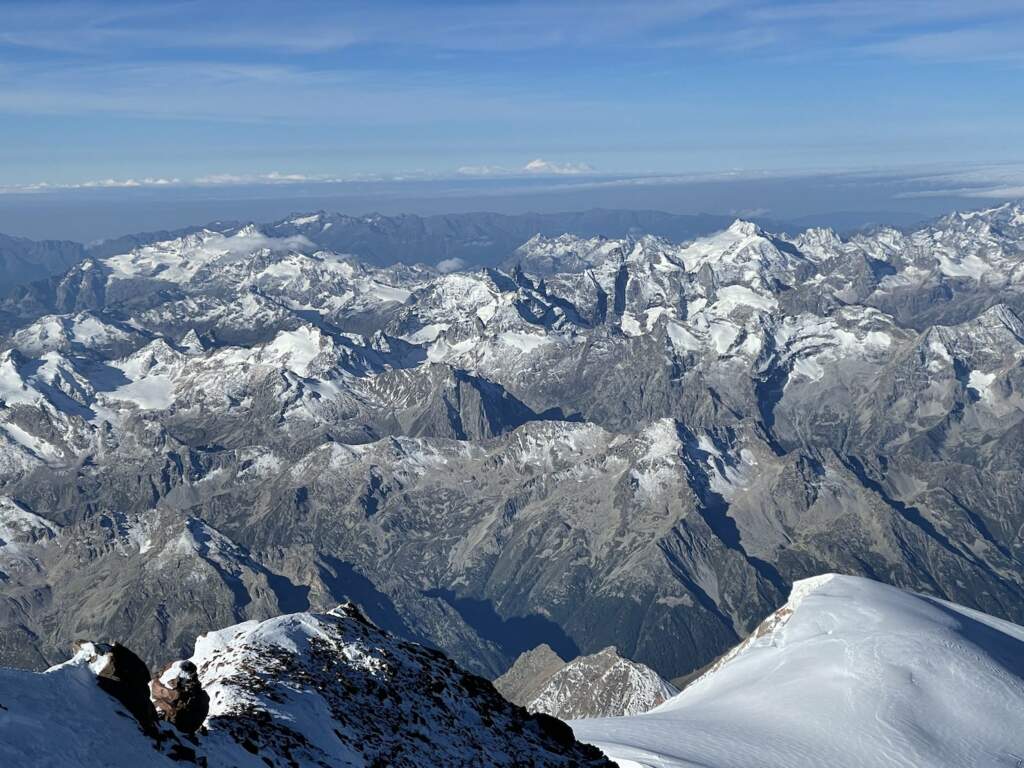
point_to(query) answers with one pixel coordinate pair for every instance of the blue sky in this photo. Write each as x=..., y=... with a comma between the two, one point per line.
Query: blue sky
x=187, y=92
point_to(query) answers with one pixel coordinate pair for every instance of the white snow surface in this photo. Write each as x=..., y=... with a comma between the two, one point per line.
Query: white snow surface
x=62, y=718
x=850, y=673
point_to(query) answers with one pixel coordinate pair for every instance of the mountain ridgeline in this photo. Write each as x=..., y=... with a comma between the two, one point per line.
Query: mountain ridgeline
x=300, y=689
x=461, y=239
x=234, y=424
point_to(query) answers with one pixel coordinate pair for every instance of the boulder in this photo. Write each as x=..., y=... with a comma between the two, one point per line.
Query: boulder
x=179, y=697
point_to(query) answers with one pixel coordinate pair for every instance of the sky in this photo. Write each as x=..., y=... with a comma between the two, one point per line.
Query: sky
x=196, y=93
x=265, y=91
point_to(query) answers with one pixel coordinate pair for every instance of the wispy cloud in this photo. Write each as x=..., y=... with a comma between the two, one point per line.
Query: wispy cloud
x=45, y=186
x=540, y=166
x=85, y=25
x=209, y=180
x=987, y=43
x=535, y=167
x=450, y=265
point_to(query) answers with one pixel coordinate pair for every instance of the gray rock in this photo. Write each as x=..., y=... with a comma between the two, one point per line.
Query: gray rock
x=528, y=674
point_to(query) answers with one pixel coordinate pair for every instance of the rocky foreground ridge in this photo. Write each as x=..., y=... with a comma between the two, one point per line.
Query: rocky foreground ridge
x=297, y=690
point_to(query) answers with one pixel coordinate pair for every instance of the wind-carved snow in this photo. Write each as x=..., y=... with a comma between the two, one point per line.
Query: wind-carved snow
x=660, y=463
x=566, y=253
x=848, y=673
x=682, y=339
x=13, y=388
x=61, y=332
x=29, y=442
x=427, y=334
x=732, y=296
x=295, y=350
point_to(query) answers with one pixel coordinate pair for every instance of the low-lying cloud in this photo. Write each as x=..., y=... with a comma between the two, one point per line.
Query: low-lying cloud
x=536, y=167
x=450, y=265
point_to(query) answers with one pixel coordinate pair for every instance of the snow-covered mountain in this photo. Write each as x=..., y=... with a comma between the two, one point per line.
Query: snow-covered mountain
x=847, y=673
x=602, y=684
x=668, y=432
x=300, y=689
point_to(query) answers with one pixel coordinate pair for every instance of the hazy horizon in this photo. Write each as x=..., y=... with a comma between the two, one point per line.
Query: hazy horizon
x=843, y=201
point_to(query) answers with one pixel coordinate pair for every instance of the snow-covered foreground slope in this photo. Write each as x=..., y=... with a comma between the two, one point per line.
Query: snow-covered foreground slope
x=850, y=673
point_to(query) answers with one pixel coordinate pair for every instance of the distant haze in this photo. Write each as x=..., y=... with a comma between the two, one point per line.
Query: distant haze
x=842, y=201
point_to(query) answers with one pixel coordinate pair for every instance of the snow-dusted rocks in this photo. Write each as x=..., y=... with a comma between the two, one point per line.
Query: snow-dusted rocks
x=848, y=673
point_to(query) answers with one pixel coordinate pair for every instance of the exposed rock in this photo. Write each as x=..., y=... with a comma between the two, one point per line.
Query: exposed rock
x=529, y=674
x=179, y=697
x=602, y=684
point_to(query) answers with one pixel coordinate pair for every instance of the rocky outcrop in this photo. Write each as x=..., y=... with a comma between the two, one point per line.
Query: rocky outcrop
x=179, y=697
x=602, y=684
x=529, y=674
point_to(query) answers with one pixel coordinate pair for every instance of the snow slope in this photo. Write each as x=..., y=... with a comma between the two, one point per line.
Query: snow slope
x=850, y=673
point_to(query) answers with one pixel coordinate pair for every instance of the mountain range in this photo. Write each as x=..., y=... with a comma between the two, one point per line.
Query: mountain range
x=237, y=423
x=453, y=240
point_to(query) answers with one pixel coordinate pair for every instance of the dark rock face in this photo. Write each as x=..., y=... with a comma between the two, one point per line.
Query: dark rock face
x=23, y=261
x=179, y=697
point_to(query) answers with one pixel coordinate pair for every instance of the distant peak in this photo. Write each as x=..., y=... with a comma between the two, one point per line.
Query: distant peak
x=821, y=235
x=249, y=230
x=745, y=228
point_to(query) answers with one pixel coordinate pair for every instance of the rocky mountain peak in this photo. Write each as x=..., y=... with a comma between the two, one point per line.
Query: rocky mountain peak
x=601, y=684
x=745, y=228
